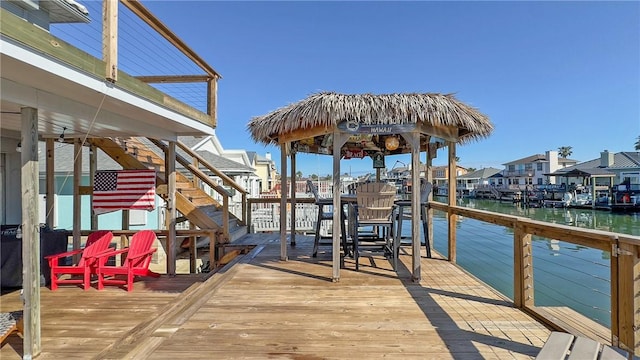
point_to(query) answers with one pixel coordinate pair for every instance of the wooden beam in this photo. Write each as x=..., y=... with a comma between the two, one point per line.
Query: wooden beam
x=283, y=202
x=50, y=182
x=300, y=134
x=110, y=39
x=176, y=79
x=447, y=133
x=170, y=170
x=29, y=183
x=143, y=13
x=452, y=217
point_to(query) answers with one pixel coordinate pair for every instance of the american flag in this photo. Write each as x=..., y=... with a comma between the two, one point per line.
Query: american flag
x=124, y=189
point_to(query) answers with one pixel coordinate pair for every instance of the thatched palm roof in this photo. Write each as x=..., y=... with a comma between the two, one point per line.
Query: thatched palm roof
x=328, y=108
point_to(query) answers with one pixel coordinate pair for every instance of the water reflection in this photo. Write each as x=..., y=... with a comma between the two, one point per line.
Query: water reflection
x=565, y=274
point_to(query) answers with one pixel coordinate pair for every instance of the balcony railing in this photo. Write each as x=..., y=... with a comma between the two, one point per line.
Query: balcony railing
x=130, y=48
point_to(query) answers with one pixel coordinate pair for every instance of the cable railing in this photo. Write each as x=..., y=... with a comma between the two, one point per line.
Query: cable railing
x=581, y=279
x=145, y=49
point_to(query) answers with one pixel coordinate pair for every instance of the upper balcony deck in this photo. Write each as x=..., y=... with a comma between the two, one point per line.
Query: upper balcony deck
x=124, y=73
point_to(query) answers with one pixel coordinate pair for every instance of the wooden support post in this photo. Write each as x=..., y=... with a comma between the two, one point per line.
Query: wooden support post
x=225, y=218
x=523, y=268
x=615, y=287
x=77, y=201
x=170, y=172
x=193, y=248
x=30, y=181
x=110, y=38
x=283, y=201
x=213, y=241
x=593, y=193
x=338, y=141
x=414, y=138
x=212, y=100
x=431, y=154
x=125, y=219
x=451, y=217
x=248, y=217
x=193, y=251
x=245, y=220
x=51, y=182
x=293, y=198
x=93, y=167
x=628, y=295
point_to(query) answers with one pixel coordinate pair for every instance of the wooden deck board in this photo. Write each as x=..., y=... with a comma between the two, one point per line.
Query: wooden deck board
x=267, y=308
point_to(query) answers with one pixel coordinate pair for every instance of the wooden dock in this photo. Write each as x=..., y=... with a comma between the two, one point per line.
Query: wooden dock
x=259, y=307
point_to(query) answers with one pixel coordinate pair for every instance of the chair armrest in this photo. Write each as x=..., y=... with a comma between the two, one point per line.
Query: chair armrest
x=380, y=208
x=146, y=253
x=64, y=254
x=105, y=255
x=110, y=252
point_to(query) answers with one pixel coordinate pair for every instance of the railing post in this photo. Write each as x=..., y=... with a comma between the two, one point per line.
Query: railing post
x=523, y=267
x=246, y=214
x=628, y=301
x=110, y=39
x=247, y=208
x=225, y=216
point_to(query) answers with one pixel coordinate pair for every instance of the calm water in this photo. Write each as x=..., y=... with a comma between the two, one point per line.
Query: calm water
x=564, y=274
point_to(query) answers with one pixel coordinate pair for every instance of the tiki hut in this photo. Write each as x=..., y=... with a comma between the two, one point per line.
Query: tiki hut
x=358, y=125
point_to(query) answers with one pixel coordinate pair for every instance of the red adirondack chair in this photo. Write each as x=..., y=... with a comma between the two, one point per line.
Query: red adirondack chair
x=97, y=242
x=136, y=263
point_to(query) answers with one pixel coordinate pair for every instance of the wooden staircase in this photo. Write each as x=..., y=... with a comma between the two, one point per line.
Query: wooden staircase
x=193, y=203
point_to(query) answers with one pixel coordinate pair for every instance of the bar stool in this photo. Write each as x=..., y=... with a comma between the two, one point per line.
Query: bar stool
x=425, y=190
x=323, y=215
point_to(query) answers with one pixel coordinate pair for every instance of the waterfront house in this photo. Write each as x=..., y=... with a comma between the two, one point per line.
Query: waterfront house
x=471, y=180
x=265, y=170
x=440, y=175
x=609, y=169
x=534, y=169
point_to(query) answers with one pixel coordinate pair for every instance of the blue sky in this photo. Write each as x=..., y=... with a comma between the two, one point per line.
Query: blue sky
x=548, y=74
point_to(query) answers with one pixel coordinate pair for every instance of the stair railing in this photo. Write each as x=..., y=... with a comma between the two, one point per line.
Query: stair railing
x=226, y=180
x=206, y=179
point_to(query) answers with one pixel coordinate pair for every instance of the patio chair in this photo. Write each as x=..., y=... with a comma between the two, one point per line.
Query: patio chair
x=136, y=263
x=562, y=345
x=97, y=242
x=375, y=205
x=425, y=190
x=10, y=322
x=323, y=215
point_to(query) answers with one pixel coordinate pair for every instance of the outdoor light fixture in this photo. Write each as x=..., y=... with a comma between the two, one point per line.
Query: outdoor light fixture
x=61, y=138
x=19, y=146
x=391, y=143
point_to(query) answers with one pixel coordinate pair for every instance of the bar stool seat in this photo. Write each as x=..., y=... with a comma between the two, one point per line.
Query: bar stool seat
x=425, y=190
x=323, y=215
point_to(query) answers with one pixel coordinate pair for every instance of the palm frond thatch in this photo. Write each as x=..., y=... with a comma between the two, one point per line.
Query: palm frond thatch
x=326, y=109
